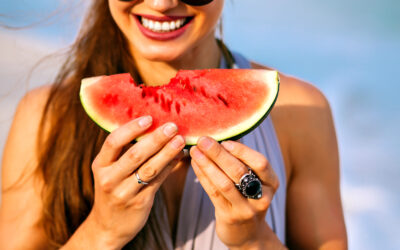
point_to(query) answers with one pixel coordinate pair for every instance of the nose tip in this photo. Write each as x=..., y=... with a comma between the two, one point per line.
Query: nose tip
x=161, y=5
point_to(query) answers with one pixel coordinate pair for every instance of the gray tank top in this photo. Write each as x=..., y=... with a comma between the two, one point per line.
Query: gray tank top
x=196, y=222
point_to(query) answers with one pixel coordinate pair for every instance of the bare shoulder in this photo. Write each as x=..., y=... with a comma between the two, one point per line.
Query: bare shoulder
x=21, y=205
x=304, y=125
x=303, y=122
x=302, y=116
x=23, y=135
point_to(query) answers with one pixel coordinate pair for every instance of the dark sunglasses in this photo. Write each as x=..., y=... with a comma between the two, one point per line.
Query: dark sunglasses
x=189, y=2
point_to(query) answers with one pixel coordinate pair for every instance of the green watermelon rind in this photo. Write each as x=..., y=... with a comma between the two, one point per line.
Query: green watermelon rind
x=234, y=133
x=89, y=111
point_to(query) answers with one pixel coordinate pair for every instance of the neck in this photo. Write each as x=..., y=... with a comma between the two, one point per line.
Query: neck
x=204, y=56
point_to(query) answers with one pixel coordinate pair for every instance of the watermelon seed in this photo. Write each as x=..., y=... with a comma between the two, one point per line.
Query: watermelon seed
x=177, y=107
x=129, y=112
x=169, y=102
x=203, y=92
x=223, y=100
x=143, y=93
x=194, y=88
x=162, y=100
x=156, y=97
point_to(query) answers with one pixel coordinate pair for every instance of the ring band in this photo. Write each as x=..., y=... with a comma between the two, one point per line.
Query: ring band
x=250, y=185
x=139, y=180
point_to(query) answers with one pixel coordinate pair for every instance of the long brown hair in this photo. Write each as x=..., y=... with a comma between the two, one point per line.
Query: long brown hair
x=73, y=140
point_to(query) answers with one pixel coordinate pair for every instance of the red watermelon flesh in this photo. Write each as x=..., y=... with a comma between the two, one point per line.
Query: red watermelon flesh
x=221, y=103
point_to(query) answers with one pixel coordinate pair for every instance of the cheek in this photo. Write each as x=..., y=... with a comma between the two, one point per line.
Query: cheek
x=120, y=13
x=209, y=16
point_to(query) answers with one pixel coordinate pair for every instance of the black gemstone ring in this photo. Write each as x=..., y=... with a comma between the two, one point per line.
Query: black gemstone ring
x=250, y=186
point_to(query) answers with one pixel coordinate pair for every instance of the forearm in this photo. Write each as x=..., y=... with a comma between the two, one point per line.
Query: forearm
x=89, y=236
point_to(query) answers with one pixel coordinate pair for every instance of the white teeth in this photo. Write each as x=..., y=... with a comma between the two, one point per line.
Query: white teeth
x=177, y=23
x=158, y=26
x=165, y=26
x=151, y=25
x=172, y=25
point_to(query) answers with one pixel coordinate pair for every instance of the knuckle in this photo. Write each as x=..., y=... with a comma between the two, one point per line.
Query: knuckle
x=170, y=152
x=110, y=141
x=232, y=220
x=239, y=150
x=106, y=184
x=276, y=183
x=262, y=163
x=226, y=186
x=134, y=156
x=120, y=198
x=214, y=193
x=247, y=215
x=263, y=203
x=142, y=202
x=239, y=172
x=148, y=173
x=216, y=150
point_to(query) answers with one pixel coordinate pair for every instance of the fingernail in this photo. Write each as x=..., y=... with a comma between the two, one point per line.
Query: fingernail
x=227, y=145
x=177, y=142
x=205, y=143
x=170, y=129
x=197, y=153
x=145, y=121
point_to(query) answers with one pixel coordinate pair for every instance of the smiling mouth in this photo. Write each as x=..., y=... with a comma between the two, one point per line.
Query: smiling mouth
x=163, y=24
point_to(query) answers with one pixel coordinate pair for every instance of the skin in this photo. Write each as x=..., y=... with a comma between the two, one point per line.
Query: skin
x=309, y=149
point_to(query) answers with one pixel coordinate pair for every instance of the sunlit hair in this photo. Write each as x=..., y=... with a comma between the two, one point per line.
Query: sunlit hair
x=69, y=146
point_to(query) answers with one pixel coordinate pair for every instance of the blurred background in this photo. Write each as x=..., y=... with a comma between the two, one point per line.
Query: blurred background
x=348, y=49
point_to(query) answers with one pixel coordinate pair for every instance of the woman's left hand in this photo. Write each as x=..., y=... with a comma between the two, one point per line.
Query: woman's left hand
x=240, y=221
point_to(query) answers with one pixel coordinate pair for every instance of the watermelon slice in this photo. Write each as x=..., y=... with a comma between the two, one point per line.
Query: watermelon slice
x=220, y=103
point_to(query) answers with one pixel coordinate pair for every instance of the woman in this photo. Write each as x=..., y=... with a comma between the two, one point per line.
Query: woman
x=66, y=183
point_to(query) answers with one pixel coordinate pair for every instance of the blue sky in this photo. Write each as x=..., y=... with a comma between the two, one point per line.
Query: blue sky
x=349, y=49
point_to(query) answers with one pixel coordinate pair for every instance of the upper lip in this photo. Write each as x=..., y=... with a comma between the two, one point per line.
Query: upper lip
x=162, y=18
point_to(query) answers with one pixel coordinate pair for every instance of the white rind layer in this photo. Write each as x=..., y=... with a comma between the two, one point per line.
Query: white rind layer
x=271, y=81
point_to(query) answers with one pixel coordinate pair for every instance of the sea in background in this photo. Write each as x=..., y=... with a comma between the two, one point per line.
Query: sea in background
x=348, y=49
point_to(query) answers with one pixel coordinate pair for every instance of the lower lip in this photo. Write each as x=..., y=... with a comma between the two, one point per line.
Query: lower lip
x=162, y=36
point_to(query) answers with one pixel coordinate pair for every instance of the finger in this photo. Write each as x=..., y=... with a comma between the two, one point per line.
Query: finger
x=215, y=195
x=130, y=185
x=139, y=195
x=233, y=167
x=154, y=165
x=144, y=149
x=264, y=202
x=218, y=178
x=120, y=137
x=255, y=160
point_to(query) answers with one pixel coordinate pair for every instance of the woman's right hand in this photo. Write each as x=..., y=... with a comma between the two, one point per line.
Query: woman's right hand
x=122, y=205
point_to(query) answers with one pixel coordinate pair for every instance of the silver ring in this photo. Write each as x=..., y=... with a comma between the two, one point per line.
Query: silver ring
x=250, y=186
x=139, y=180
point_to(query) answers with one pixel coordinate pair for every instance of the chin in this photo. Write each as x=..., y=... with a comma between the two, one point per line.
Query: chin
x=161, y=53
x=164, y=56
